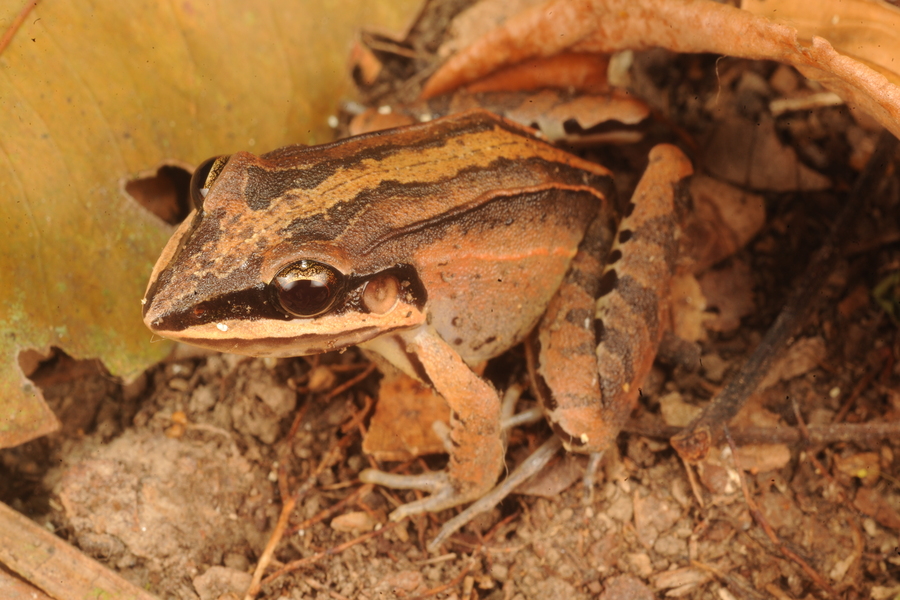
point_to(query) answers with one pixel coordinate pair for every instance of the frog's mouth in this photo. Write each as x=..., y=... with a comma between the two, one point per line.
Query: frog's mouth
x=292, y=337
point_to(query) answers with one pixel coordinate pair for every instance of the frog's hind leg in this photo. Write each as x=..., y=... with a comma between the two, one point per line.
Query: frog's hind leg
x=599, y=336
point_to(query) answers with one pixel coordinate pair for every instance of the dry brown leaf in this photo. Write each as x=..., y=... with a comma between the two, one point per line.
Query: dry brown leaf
x=730, y=291
x=478, y=19
x=401, y=426
x=873, y=503
x=90, y=99
x=723, y=220
x=547, y=110
x=866, y=30
x=759, y=458
x=365, y=65
x=580, y=72
x=688, y=306
x=750, y=154
x=682, y=26
x=803, y=356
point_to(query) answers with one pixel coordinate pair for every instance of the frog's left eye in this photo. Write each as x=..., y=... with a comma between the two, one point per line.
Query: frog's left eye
x=307, y=288
x=203, y=178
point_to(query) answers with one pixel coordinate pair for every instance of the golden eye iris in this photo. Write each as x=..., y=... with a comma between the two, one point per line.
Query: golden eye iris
x=203, y=178
x=307, y=288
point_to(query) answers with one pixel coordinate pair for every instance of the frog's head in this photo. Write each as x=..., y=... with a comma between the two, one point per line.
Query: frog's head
x=253, y=270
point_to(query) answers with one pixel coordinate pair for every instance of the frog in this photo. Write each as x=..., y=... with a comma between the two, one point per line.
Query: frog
x=436, y=246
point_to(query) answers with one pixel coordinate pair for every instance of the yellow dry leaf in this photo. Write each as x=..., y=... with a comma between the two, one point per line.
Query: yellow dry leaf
x=866, y=30
x=93, y=95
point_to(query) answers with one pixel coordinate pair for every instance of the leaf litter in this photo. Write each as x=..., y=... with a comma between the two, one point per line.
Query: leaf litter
x=176, y=480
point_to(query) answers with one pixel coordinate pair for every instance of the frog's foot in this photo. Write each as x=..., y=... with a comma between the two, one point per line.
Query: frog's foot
x=529, y=467
x=590, y=476
x=444, y=494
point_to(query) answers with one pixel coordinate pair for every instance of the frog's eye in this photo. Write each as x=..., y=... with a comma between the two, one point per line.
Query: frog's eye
x=307, y=288
x=203, y=178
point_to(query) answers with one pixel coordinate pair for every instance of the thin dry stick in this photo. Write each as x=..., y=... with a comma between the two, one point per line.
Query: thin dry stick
x=493, y=530
x=767, y=528
x=446, y=586
x=356, y=421
x=298, y=418
x=350, y=382
x=290, y=501
x=327, y=512
x=815, y=434
x=728, y=578
x=286, y=510
x=858, y=389
x=695, y=440
x=16, y=24
x=324, y=588
x=309, y=560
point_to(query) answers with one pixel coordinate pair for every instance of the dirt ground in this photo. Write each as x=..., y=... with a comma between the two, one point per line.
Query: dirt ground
x=177, y=480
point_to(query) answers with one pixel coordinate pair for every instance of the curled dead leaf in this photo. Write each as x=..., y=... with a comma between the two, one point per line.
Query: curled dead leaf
x=547, y=110
x=692, y=26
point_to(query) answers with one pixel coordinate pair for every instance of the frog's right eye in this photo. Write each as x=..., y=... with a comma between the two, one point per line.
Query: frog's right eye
x=307, y=288
x=204, y=176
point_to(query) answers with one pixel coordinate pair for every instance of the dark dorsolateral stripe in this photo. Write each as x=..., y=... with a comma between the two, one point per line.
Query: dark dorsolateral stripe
x=322, y=162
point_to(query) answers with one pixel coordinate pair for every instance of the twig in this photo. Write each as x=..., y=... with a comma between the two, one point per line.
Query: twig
x=356, y=421
x=308, y=560
x=350, y=382
x=693, y=443
x=770, y=532
x=327, y=512
x=503, y=523
x=287, y=508
x=324, y=588
x=732, y=580
x=290, y=501
x=818, y=434
x=298, y=418
x=858, y=389
x=446, y=586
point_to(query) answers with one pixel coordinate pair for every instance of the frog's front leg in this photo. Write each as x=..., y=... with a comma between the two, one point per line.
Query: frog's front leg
x=597, y=340
x=476, y=456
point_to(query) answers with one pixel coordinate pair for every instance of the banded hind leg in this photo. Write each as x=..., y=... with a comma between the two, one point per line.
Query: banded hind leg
x=599, y=337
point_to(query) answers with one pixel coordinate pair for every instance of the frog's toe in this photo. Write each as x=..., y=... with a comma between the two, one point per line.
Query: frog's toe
x=426, y=482
x=444, y=494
